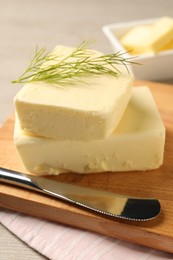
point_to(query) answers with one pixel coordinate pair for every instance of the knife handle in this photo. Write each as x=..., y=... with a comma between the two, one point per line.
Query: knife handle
x=19, y=179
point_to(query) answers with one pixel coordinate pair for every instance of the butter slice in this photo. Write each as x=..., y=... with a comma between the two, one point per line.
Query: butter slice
x=87, y=109
x=149, y=38
x=136, y=144
x=168, y=46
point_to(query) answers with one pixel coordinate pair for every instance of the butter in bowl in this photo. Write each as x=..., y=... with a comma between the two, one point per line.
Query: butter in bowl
x=149, y=41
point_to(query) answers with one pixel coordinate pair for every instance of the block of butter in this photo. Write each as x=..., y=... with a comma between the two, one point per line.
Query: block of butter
x=149, y=38
x=168, y=46
x=136, y=144
x=86, y=110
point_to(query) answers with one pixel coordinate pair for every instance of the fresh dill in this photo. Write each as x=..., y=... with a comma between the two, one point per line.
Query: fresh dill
x=59, y=68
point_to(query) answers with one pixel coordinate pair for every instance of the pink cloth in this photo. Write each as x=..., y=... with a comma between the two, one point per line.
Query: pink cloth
x=59, y=242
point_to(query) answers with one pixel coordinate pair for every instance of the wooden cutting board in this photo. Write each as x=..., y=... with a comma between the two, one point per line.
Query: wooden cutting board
x=157, y=233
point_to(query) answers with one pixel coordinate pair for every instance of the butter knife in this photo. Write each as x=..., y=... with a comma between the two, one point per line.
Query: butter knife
x=98, y=201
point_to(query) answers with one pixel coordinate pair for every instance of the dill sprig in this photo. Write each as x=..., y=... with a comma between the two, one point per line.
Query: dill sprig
x=57, y=68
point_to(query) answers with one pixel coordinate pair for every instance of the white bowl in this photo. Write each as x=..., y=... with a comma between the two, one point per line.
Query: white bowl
x=153, y=66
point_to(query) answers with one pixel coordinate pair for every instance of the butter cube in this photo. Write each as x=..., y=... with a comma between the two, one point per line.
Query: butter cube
x=136, y=144
x=86, y=110
x=149, y=38
x=168, y=46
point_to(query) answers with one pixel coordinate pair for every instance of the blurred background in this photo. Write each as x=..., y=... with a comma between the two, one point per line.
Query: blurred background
x=47, y=23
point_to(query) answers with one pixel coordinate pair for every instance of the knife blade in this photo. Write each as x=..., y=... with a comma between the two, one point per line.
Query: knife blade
x=99, y=201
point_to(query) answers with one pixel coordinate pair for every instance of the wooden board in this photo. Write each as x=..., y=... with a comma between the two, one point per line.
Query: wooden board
x=157, y=233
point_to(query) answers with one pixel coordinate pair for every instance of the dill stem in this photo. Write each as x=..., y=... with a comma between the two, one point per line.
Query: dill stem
x=53, y=68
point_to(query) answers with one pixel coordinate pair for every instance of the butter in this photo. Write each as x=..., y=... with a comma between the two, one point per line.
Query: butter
x=136, y=144
x=86, y=110
x=149, y=38
x=169, y=46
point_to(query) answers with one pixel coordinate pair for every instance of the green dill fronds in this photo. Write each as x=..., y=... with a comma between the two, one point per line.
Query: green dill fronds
x=57, y=68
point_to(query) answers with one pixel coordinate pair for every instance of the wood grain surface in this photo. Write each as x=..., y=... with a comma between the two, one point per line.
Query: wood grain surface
x=156, y=233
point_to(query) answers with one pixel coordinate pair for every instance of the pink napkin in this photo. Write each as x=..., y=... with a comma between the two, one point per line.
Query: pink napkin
x=59, y=242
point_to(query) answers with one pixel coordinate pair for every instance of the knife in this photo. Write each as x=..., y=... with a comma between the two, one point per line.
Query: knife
x=98, y=201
